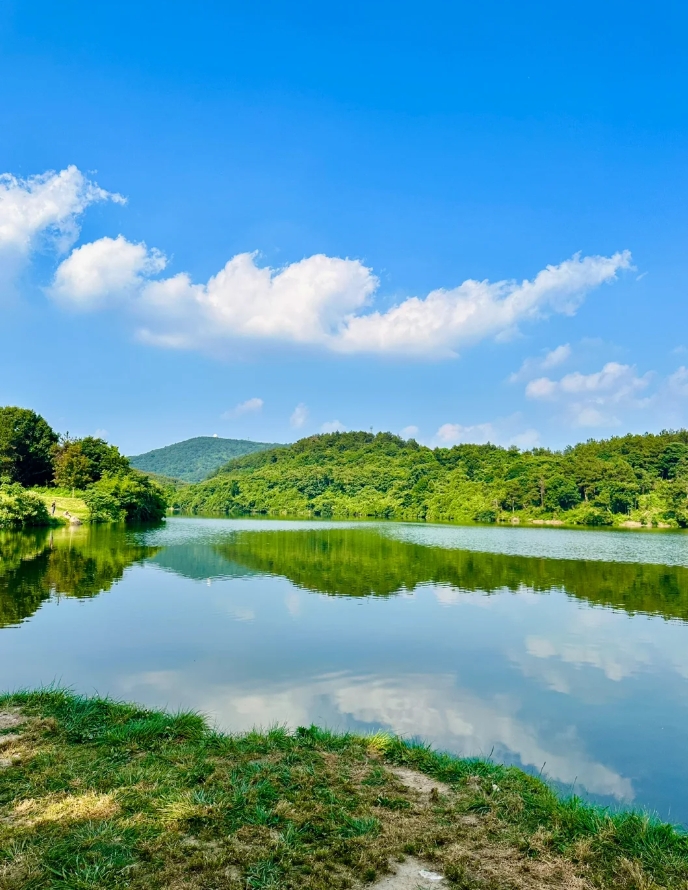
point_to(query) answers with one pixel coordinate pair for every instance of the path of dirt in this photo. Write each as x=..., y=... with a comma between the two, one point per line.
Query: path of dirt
x=412, y=874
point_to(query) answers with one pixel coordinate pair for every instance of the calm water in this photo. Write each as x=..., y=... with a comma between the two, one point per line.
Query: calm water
x=561, y=651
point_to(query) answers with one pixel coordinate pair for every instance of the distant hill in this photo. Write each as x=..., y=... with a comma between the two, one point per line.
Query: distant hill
x=194, y=459
x=628, y=481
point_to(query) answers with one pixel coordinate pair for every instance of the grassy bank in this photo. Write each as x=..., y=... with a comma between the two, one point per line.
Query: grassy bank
x=64, y=503
x=97, y=795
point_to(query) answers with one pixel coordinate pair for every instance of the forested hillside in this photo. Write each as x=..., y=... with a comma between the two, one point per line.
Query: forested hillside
x=194, y=459
x=630, y=479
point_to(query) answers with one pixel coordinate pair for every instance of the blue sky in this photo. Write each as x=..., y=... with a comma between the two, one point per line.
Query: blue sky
x=460, y=221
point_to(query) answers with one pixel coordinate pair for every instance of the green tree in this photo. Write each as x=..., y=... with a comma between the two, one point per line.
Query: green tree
x=26, y=446
x=561, y=494
x=72, y=467
x=673, y=460
x=81, y=462
x=104, y=459
x=136, y=497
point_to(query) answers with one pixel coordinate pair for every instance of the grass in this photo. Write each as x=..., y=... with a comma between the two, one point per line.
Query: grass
x=97, y=794
x=63, y=501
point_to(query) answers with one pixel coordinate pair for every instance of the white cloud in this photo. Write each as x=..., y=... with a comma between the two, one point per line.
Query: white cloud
x=108, y=268
x=409, y=432
x=526, y=440
x=542, y=388
x=323, y=301
x=556, y=356
x=250, y=406
x=333, y=426
x=47, y=204
x=550, y=359
x=453, y=433
x=593, y=399
x=299, y=416
x=447, y=319
x=677, y=383
x=504, y=431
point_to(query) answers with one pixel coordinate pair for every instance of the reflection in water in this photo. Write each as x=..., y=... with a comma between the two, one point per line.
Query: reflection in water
x=475, y=651
x=362, y=562
x=79, y=563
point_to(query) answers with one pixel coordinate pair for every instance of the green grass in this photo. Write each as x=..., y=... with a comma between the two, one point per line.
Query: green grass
x=96, y=794
x=63, y=501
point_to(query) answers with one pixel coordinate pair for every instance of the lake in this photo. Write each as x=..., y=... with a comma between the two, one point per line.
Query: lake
x=563, y=652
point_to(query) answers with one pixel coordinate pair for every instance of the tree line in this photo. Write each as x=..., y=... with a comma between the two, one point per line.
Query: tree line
x=633, y=479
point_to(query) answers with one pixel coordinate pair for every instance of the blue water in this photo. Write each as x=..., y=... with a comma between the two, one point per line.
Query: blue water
x=224, y=617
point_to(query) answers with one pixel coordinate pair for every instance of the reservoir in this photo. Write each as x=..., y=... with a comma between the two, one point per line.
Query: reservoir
x=564, y=652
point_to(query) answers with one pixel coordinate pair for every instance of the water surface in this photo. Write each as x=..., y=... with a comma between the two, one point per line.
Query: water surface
x=560, y=651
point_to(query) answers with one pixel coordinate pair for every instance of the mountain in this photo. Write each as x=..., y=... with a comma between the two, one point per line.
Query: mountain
x=194, y=459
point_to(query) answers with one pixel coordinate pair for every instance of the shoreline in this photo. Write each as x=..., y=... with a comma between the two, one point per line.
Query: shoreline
x=450, y=523
x=107, y=794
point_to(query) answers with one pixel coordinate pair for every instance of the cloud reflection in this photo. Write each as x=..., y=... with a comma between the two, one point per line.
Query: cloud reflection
x=429, y=706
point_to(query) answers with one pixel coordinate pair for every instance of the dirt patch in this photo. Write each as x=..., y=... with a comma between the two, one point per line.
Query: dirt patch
x=412, y=874
x=487, y=865
x=419, y=781
x=10, y=719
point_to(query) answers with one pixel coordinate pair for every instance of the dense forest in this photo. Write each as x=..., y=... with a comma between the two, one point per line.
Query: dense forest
x=194, y=459
x=37, y=464
x=625, y=480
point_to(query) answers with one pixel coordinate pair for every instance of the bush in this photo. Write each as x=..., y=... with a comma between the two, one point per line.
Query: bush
x=135, y=496
x=584, y=515
x=103, y=507
x=20, y=508
x=485, y=515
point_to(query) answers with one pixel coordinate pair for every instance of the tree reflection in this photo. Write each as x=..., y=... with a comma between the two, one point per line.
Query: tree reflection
x=35, y=565
x=362, y=562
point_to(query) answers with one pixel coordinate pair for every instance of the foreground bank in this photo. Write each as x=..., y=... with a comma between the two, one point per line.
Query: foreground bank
x=97, y=795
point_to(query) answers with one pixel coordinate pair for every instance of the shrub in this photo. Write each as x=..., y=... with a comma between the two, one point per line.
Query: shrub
x=19, y=507
x=585, y=515
x=138, y=499
x=103, y=507
x=487, y=514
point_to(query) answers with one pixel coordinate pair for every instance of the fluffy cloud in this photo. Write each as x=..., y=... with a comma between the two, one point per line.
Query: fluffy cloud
x=447, y=319
x=320, y=301
x=333, y=426
x=299, y=416
x=250, y=406
x=593, y=399
x=48, y=204
x=110, y=268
